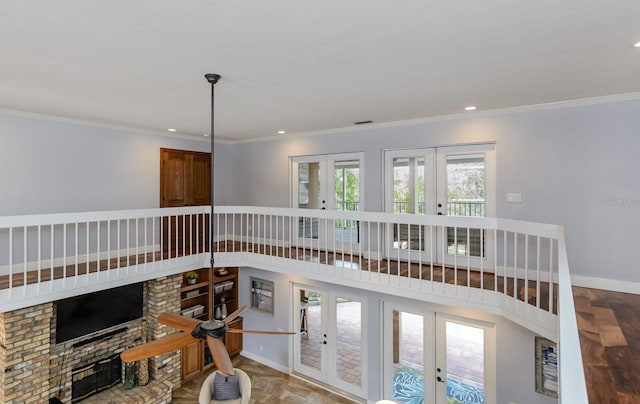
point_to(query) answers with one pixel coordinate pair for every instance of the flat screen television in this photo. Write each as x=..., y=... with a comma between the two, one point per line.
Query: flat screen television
x=86, y=314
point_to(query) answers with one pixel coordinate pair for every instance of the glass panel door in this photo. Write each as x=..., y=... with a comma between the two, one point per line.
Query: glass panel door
x=408, y=355
x=410, y=189
x=328, y=182
x=346, y=181
x=332, y=343
x=348, y=351
x=310, y=192
x=454, y=181
x=464, y=363
x=311, y=347
x=465, y=175
x=433, y=358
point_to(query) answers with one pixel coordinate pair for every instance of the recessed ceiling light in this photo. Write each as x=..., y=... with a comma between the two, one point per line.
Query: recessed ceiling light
x=281, y=132
x=171, y=130
x=470, y=108
x=637, y=45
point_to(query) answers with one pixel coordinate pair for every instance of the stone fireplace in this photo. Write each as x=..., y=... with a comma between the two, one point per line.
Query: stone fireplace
x=37, y=369
x=93, y=378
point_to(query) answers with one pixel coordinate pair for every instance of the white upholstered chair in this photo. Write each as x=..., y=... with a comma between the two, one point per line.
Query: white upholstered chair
x=207, y=389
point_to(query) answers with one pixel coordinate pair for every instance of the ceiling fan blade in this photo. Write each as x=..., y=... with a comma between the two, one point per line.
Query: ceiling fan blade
x=157, y=347
x=179, y=322
x=238, y=331
x=220, y=355
x=235, y=314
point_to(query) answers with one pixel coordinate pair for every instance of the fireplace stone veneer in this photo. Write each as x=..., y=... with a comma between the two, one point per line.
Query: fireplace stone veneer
x=36, y=368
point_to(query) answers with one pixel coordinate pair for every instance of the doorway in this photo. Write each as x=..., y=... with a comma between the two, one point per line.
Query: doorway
x=332, y=343
x=451, y=181
x=433, y=357
x=328, y=182
x=185, y=180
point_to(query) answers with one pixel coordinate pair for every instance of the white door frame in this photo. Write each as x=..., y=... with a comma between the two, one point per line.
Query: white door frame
x=326, y=229
x=329, y=351
x=434, y=345
x=435, y=188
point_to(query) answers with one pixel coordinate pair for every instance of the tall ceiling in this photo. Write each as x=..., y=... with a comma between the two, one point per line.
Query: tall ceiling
x=307, y=65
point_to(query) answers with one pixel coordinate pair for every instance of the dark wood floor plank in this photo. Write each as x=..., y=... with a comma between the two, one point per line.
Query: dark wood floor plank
x=610, y=342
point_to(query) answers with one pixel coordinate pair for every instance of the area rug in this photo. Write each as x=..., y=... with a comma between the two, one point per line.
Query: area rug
x=409, y=388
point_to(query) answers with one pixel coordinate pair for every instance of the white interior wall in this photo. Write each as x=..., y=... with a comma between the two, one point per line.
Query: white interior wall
x=573, y=165
x=515, y=344
x=49, y=166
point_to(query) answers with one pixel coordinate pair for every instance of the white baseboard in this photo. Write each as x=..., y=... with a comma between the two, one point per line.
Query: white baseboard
x=605, y=284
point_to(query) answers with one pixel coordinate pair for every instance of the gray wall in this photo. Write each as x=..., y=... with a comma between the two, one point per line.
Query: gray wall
x=514, y=344
x=54, y=166
x=575, y=166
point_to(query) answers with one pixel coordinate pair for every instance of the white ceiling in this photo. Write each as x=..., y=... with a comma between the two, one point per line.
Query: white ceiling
x=307, y=65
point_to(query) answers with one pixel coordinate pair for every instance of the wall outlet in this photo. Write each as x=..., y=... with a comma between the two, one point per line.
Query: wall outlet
x=261, y=348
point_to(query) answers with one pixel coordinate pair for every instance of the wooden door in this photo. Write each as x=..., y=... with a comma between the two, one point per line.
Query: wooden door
x=185, y=180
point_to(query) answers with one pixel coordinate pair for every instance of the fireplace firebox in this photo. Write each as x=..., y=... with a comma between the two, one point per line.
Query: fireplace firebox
x=93, y=378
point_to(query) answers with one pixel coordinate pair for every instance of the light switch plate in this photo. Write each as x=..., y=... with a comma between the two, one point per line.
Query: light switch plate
x=514, y=197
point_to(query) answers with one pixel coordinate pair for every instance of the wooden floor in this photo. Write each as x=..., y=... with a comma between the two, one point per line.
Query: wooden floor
x=267, y=386
x=609, y=328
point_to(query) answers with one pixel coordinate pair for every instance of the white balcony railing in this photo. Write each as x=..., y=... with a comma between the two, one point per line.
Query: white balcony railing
x=515, y=269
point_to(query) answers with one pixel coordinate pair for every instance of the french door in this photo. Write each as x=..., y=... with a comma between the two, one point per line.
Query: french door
x=434, y=358
x=452, y=181
x=327, y=182
x=331, y=345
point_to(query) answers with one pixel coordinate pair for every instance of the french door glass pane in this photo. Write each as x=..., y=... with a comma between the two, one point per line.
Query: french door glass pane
x=349, y=341
x=311, y=329
x=347, y=197
x=408, y=357
x=408, y=197
x=308, y=197
x=465, y=363
x=465, y=197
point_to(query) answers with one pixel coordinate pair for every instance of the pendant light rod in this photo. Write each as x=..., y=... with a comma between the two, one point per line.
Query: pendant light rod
x=212, y=78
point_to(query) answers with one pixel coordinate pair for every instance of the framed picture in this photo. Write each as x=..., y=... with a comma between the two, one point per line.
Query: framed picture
x=262, y=295
x=546, y=367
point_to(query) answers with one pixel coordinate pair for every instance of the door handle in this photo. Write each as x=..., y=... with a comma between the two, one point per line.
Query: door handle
x=439, y=213
x=440, y=379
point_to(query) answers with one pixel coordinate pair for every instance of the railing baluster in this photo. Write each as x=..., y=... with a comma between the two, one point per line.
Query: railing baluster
x=39, y=265
x=526, y=268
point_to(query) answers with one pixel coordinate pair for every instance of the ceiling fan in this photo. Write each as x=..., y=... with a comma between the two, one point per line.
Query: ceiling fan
x=212, y=330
